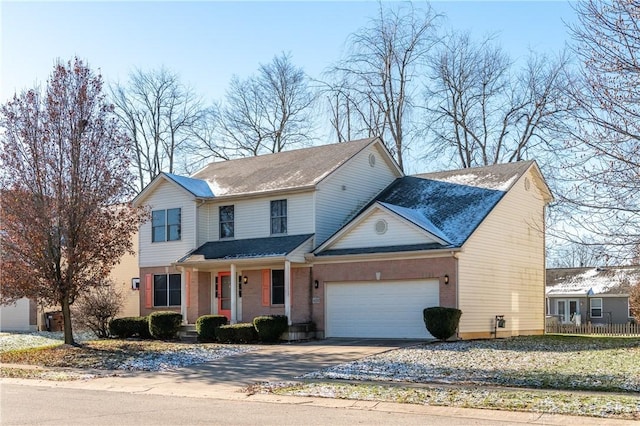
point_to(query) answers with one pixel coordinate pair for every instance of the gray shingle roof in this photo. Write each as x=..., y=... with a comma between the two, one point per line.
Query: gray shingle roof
x=456, y=201
x=579, y=281
x=249, y=248
x=285, y=170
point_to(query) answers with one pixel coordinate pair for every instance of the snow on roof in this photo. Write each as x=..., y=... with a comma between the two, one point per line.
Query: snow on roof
x=594, y=281
x=417, y=217
x=197, y=187
x=457, y=201
x=293, y=169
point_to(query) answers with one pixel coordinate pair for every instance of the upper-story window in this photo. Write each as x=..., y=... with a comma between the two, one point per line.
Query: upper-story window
x=279, y=217
x=166, y=225
x=226, y=214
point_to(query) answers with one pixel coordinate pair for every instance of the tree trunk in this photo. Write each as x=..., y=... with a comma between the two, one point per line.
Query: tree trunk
x=66, y=314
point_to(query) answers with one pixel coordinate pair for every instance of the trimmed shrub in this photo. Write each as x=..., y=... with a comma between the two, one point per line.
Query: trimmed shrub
x=206, y=327
x=164, y=325
x=237, y=333
x=130, y=326
x=442, y=322
x=270, y=327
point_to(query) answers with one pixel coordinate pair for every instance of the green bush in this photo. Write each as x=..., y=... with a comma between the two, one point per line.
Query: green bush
x=441, y=322
x=270, y=327
x=206, y=326
x=237, y=333
x=130, y=326
x=164, y=325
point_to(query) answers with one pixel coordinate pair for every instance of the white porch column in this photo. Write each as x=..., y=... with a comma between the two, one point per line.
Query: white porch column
x=287, y=290
x=234, y=295
x=183, y=294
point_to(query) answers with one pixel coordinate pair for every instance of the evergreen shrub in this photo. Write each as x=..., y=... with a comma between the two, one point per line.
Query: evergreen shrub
x=237, y=333
x=164, y=325
x=442, y=322
x=270, y=327
x=206, y=327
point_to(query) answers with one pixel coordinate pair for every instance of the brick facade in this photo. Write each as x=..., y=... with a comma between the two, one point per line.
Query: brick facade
x=389, y=270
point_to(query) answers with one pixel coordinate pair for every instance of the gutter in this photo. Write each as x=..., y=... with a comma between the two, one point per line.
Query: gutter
x=310, y=257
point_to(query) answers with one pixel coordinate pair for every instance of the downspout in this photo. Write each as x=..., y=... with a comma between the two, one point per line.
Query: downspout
x=454, y=255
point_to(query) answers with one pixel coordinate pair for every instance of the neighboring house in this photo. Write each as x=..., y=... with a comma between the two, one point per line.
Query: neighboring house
x=337, y=235
x=26, y=315
x=125, y=276
x=591, y=295
x=19, y=316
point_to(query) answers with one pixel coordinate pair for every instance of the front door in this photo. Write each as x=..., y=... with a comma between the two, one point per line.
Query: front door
x=224, y=294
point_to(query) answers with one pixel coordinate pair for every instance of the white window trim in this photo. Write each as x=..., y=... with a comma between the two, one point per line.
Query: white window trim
x=591, y=307
x=166, y=226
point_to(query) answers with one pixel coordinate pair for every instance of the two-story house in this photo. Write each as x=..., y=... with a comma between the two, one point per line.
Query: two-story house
x=337, y=235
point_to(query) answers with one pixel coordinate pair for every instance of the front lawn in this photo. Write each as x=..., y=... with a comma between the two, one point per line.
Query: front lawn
x=545, y=374
x=552, y=362
x=593, y=376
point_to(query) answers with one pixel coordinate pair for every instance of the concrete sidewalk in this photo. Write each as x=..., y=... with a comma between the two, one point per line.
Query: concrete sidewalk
x=229, y=379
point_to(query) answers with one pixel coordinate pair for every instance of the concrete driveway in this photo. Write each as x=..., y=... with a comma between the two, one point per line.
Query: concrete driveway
x=283, y=362
x=229, y=377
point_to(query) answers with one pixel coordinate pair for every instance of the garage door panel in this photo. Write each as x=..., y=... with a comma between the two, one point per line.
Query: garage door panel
x=379, y=309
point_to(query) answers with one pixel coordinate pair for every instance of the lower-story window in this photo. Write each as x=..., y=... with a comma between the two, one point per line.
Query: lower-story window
x=277, y=287
x=166, y=290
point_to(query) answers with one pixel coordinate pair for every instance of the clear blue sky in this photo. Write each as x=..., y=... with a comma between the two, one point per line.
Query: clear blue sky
x=206, y=42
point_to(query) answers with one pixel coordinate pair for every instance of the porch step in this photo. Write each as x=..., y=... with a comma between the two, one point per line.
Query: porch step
x=188, y=333
x=301, y=331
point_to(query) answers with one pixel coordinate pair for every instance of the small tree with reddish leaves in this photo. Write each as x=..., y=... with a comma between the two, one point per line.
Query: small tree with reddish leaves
x=66, y=184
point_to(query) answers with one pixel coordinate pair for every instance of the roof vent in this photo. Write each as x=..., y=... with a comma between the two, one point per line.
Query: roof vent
x=372, y=160
x=381, y=226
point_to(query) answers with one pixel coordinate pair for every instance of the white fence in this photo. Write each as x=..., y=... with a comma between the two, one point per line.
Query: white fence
x=595, y=329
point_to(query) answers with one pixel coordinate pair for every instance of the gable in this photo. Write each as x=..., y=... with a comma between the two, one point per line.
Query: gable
x=382, y=229
x=171, y=185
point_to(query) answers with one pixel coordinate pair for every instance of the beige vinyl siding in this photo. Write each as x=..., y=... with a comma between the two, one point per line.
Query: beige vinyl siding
x=348, y=189
x=252, y=217
x=398, y=232
x=205, y=222
x=122, y=273
x=168, y=196
x=501, y=267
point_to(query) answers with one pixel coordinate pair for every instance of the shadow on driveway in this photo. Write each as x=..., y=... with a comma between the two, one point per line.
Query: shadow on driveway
x=283, y=362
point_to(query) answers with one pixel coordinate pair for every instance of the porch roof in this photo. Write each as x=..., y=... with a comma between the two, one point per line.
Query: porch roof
x=251, y=248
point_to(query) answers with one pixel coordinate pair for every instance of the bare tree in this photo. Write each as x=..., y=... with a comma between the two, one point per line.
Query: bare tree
x=65, y=186
x=479, y=112
x=371, y=91
x=574, y=255
x=601, y=179
x=161, y=115
x=267, y=112
x=95, y=309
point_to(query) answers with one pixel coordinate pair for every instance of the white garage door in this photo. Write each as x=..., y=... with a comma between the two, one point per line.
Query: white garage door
x=379, y=309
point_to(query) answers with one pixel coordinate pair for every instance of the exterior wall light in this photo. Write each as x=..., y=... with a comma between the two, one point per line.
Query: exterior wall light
x=446, y=279
x=316, y=284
